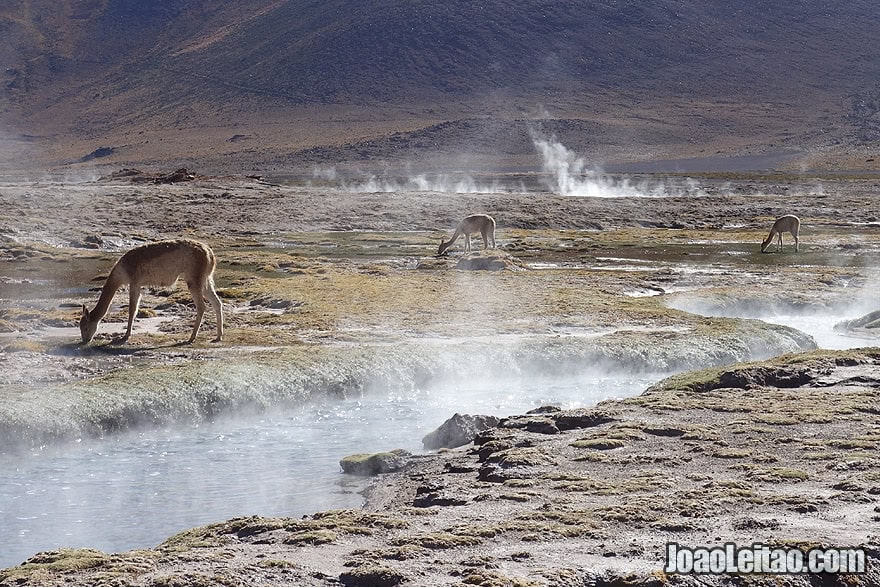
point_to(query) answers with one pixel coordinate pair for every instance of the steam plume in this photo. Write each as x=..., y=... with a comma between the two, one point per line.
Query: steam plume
x=568, y=175
x=444, y=183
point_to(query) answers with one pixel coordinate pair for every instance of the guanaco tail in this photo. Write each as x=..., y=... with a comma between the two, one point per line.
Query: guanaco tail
x=787, y=223
x=476, y=223
x=158, y=264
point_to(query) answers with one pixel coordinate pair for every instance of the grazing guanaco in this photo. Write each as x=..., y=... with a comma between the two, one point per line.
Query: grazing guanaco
x=482, y=223
x=787, y=223
x=158, y=264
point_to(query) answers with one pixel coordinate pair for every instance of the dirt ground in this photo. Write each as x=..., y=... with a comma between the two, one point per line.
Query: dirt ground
x=304, y=263
x=783, y=454
x=315, y=265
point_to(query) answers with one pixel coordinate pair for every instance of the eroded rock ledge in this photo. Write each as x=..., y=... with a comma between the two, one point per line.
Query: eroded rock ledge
x=784, y=452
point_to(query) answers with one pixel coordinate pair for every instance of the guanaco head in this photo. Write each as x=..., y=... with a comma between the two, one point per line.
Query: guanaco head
x=443, y=247
x=87, y=327
x=766, y=243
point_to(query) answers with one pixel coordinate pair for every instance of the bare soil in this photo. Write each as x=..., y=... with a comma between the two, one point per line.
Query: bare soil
x=309, y=266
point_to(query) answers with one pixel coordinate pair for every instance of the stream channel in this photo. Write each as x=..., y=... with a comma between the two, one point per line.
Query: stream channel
x=134, y=489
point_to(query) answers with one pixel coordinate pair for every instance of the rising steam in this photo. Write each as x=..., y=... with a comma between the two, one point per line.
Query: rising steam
x=568, y=175
x=422, y=182
x=562, y=172
x=443, y=183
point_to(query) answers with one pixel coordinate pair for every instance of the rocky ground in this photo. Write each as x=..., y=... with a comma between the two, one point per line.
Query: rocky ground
x=314, y=274
x=783, y=453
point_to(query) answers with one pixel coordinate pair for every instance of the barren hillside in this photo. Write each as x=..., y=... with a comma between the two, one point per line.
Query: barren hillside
x=282, y=83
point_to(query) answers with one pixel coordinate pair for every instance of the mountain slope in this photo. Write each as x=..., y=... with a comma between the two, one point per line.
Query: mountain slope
x=89, y=69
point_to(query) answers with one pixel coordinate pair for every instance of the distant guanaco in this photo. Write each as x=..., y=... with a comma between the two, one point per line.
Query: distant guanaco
x=787, y=223
x=473, y=224
x=158, y=264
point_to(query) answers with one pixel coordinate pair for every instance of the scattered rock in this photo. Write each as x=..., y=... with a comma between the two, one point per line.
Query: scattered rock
x=752, y=524
x=138, y=176
x=458, y=430
x=459, y=467
x=492, y=473
x=848, y=485
x=492, y=435
x=668, y=431
x=372, y=576
x=178, y=176
x=376, y=463
x=599, y=443
x=274, y=303
x=612, y=579
x=472, y=262
x=312, y=537
x=539, y=424
x=487, y=449
x=93, y=241
x=783, y=377
x=583, y=418
x=545, y=410
x=433, y=494
x=520, y=457
x=431, y=264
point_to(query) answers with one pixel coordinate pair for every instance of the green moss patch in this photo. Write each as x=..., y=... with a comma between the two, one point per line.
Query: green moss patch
x=438, y=541
x=598, y=443
x=320, y=528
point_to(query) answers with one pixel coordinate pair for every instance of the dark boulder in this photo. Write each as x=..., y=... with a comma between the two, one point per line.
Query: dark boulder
x=458, y=431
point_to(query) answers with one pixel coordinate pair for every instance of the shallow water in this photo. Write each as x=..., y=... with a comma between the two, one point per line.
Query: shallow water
x=819, y=324
x=821, y=328
x=134, y=490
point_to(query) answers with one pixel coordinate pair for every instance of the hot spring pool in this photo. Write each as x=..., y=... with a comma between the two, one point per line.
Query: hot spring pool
x=134, y=490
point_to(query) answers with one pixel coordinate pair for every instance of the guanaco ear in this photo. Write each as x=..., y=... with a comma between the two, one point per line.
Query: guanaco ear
x=85, y=311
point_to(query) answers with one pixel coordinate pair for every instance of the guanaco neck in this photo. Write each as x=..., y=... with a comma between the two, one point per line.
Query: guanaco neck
x=455, y=236
x=113, y=283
